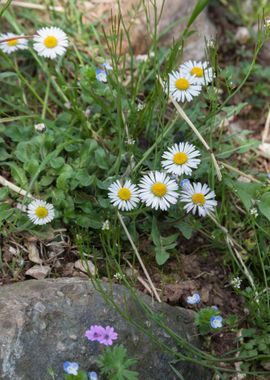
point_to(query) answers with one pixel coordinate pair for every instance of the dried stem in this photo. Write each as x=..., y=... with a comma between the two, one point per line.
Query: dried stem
x=195, y=130
x=15, y=38
x=253, y=179
x=138, y=257
x=38, y=7
x=232, y=243
x=266, y=128
x=11, y=186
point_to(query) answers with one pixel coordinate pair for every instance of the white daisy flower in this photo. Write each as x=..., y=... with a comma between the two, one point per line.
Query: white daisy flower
x=12, y=44
x=181, y=159
x=158, y=190
x=40, y=212
x=183, y=86
x=201, y=70
x=198, y=197
x=125, y=196
x=50, y=42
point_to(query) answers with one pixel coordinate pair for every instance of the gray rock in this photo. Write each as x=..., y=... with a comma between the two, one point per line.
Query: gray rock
x=42, y=324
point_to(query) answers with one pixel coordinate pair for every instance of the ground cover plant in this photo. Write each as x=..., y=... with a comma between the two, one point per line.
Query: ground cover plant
x=133, y=162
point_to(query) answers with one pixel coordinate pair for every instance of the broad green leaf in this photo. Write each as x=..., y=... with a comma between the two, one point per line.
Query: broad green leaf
x=264, y=205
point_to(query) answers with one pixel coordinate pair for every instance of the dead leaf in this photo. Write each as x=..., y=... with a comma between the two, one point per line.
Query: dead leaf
x=38, y=272
x=85, y=266
x=33, y=254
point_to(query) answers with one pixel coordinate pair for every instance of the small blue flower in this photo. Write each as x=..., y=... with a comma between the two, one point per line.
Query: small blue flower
x=71, y=368
x=194, y=299
x=184, y=182
x=92, y=375
x=216, y=322
x=106, y=66
x=214, y=308
x=101, y=75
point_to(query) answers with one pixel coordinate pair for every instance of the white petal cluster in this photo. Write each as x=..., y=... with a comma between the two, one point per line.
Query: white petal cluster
x=50, y=42
x=198, y=198
x=181, y=159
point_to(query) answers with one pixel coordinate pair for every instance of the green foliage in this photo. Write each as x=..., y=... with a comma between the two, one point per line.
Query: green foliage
x=202, y=320
x=82, y=375
x=254, y=343
x=115, y=364
x=163, y=245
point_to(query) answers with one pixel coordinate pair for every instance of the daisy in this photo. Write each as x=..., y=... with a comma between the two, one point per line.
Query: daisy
x=40, y=212
x=13, y=44
x=216, y=322
x=158, y=191
x=50, y=42
x=181, y=159
x=183, y=86
x=125, y=196
x=198, y=197
x=200, y=70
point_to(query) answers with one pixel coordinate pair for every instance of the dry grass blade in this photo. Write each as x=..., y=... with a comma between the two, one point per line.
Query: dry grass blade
x=39, y=7
x=195, y=130
x=4, y=182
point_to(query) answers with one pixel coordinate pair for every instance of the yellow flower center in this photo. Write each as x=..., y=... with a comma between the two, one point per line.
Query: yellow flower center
x=180, y=158
x=50, y=42
x=41, y=212
x=124, y=194
x=198, y=199
x=182, y=84
x=159, y=189
x=12, y=42
x=197, y=71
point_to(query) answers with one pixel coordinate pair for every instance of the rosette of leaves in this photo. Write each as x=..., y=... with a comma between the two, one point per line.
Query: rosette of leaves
x=114, y=363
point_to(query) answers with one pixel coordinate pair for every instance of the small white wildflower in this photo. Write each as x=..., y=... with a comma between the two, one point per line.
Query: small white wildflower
x=87, y=112
x=67, y=105
x=41, y=127
x=130, y=141
x=236, y=282
x=253, y=211
x=141, y=106
x=119, y=276
x=106, y=225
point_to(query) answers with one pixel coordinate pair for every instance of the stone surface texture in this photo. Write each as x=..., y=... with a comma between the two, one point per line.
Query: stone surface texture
x=171, y=12
x=42, y=324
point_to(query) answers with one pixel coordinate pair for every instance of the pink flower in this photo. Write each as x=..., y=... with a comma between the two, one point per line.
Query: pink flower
x=108, y=336
x=95, y=333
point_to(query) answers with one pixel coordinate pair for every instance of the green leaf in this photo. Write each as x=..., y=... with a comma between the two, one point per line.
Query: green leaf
x=264, y=205
x=18, y=175
x=162, y=244
x=66, y=173
x=185, y=228
x=247, y=192
x=199, y=7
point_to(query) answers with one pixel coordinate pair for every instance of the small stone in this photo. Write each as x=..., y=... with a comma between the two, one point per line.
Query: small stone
x=242, y=35
x=73, y=337
x=85, y=266
x=38, y=272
